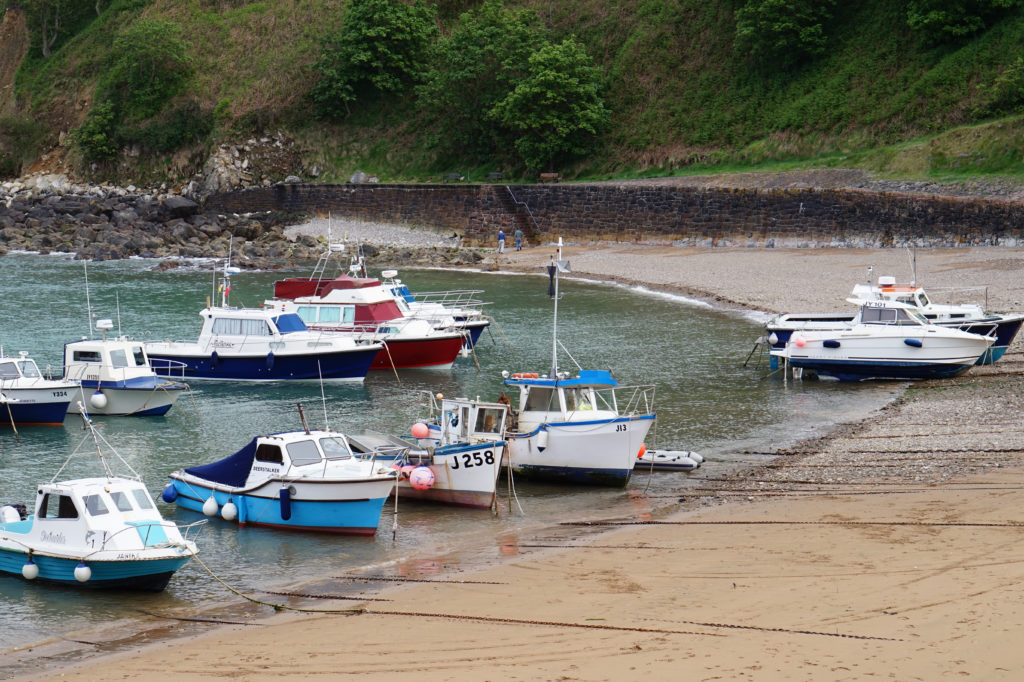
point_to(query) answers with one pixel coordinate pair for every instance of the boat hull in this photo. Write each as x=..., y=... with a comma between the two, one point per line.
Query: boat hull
x=149, y=575
x=464, y=475
x=345, y=507
x=32, y=414
x=434, y=353
x=346, y=365
x=599, y=452
x=141, y=399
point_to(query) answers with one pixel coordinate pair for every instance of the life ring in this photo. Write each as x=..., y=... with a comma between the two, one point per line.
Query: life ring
x=525, y=375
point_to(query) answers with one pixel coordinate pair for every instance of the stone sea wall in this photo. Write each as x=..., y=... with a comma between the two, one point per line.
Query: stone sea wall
x=636, y=212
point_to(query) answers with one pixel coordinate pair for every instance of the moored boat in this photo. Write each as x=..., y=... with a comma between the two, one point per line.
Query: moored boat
x=887, y=342
x=296, y=480
x=668, y=460
x=456, y=458
x=30, y=398
x=115, y=377
x=97, y=532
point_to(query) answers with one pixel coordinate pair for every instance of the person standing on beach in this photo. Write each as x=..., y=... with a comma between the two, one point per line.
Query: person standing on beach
x=501, y=240
x=518, y=234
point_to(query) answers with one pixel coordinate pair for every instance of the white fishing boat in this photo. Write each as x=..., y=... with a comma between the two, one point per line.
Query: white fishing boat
x=456, y=457
x=115, y=376
x=576, y=429
x=969, y=317
x=31, y=398
x=887, y=342
x=98, y=532
x=297, y=480
x=260, y=344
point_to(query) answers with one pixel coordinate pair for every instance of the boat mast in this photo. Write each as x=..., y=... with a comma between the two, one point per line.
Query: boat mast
x=554, y=326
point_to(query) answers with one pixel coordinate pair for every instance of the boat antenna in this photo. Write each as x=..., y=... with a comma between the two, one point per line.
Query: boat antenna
x=557, y=265
x=913, y=264
x=323, y=398
x=88, y=303
x=302, y=418
x=225, y=287
x=117, y=301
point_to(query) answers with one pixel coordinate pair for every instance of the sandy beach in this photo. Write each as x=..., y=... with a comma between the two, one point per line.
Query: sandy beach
x=886, y=550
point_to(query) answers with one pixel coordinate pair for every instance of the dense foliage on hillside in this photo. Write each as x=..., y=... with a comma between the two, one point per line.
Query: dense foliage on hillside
x=405, y=90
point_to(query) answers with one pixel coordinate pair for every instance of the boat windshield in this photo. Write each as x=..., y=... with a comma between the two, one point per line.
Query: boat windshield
x=871, y=315
x=140, y=356
x=303, y=452
x=119, y=359
x=922, y=300
x=488, y=420
x=29, y=369
x=334, y=448
x=290, y=322
x=94, y=505
x=578, y=399
x=540, y=399
x=9, y=370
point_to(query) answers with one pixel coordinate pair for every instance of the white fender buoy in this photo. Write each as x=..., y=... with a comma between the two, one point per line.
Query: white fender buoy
x=229, y=512
x=83, y=572
x=30, y=571
x=210, y=506
x=542, y=440
x=98, y=400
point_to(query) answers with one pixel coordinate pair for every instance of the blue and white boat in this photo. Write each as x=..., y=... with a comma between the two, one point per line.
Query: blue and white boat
x=115, y=377
x=887, y=342
x=456, y=457
x=257, y=344
x=297, y=480
x=30, y=399
x=98, y=532
x=575, y=429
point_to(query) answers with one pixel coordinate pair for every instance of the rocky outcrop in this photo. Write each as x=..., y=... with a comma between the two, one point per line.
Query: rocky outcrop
x=255, y=162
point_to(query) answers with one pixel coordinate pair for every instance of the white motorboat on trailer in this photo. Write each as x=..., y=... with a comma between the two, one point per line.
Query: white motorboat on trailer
x=457, y=455
x=297, y=480
x=116, y=378
x=99, y=532
x=32, y=399
x=888, y=342
x=574, y=429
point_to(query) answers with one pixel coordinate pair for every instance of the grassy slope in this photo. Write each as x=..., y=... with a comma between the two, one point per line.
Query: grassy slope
x=679, y=94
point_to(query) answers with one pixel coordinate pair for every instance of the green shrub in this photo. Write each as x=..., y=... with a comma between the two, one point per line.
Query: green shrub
x=95, y=138
x=20, y=142
x=171, y=129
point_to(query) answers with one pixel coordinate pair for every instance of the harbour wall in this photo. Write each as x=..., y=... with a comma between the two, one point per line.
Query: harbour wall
x=654, y=213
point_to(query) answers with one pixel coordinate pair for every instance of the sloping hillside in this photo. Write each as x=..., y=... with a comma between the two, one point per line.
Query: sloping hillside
x=682, y=95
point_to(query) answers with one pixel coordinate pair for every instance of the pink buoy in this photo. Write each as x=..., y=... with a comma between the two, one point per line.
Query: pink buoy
x=420, y=430
x=421, y=478
x=800, y=342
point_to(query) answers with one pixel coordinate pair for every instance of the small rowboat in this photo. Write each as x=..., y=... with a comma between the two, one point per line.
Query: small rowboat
x=668, y=460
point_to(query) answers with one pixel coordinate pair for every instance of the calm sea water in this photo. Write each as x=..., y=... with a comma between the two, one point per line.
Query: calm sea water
x=706, y=401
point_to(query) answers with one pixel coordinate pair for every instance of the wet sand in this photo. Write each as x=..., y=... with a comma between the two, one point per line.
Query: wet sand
x=888, y=549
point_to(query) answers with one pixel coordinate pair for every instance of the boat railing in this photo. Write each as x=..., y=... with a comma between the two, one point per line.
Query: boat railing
x=144, y=528
x=638, y=399
x=459, y=298
x=165, y=367
x=949, y=292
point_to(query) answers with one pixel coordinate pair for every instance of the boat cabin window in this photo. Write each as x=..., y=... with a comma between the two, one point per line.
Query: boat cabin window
x=86, y=356
x=334, y=448
x=119, y=359
x=57, y=506
x=227, y=326
x=121, y=501
x=488, y=420
x=385, y=329
x=290, y=322
x=577, y=399
x=303, y=452
x=886, y=316
x=922, y=300
x=95, y=505
x=269, y=453
x=540, y=399
x=142, y=499
x=140, y=356
x=8, y=370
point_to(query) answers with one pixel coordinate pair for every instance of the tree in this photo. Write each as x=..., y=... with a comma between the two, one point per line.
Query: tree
x=382, y=46
x=939, y=20
x=783, y=31
x=475, y=68
x=149, y=65
x=48, y=20
x=556, y=110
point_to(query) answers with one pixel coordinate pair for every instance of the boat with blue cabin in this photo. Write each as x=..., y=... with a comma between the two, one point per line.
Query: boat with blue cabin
x=296, y=480
x=115, y=377
x=96, y=532
x=575, y=429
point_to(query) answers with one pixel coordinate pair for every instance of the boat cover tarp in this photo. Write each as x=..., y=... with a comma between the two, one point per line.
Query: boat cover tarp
x=232, y=471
